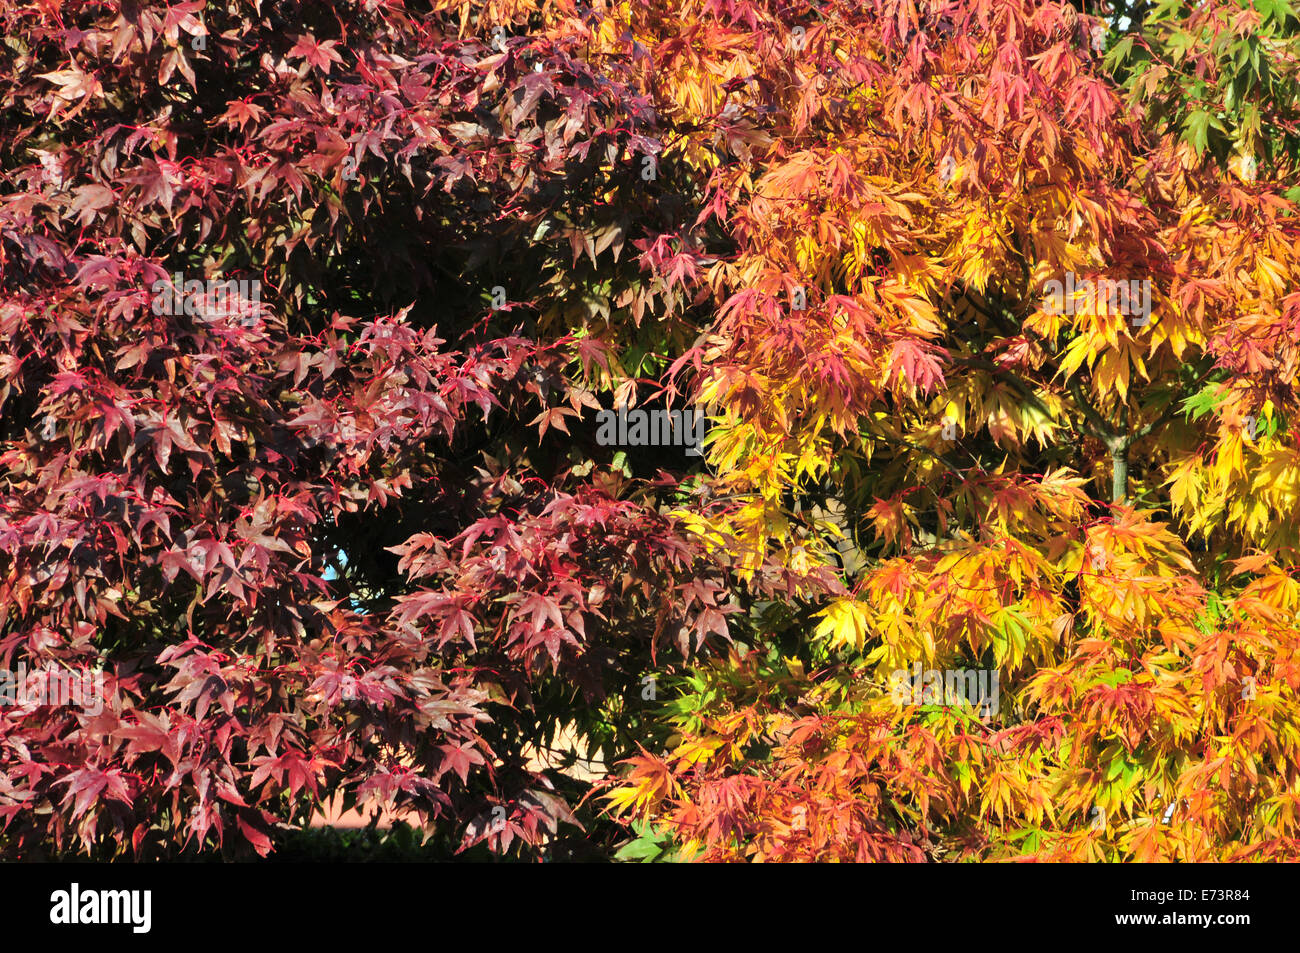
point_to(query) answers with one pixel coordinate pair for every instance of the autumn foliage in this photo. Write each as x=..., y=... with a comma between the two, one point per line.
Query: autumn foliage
x=357, y=537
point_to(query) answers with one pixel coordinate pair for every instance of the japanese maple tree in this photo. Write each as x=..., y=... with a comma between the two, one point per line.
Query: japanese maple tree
x=1092, y=497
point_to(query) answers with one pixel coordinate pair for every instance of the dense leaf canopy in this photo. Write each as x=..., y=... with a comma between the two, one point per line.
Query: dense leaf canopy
x=991, y=305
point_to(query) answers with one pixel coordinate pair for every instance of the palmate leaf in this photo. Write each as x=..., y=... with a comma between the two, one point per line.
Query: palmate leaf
x=648, y=846
x=1197, y=126
x=843, y=625
x=1207, y=400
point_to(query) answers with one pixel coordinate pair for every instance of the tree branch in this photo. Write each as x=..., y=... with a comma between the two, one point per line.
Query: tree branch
x=1101, y=429
x=1011, y=377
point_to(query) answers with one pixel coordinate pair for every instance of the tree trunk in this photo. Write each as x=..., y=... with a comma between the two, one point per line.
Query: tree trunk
x=1118, y=473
